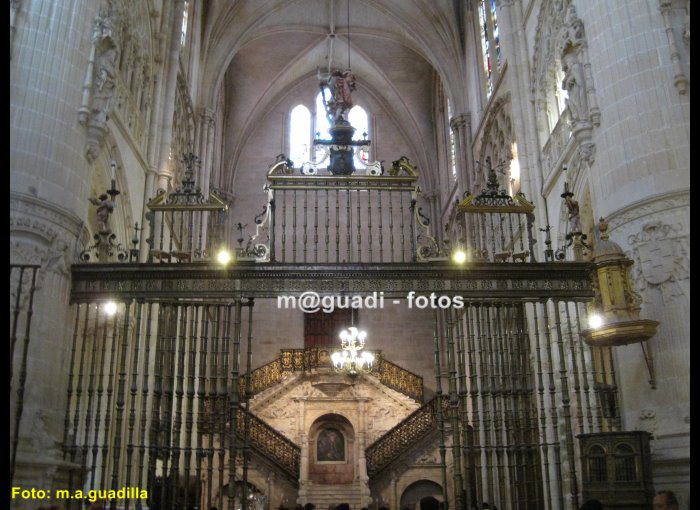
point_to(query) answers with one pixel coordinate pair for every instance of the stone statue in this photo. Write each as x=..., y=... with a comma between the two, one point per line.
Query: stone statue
x=574, y=219
x=105, y=83
x=105, y=207
x=575, y=84
x=341, y=85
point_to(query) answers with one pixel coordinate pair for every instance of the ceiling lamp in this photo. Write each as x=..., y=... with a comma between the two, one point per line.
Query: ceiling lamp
x=352, y=359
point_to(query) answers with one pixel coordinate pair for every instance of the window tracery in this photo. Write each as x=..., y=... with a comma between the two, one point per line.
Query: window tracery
x=490, y=43
x=497, y=143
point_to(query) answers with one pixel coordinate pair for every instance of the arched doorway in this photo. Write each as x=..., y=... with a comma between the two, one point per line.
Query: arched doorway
x=423, y=490
x=331, y=450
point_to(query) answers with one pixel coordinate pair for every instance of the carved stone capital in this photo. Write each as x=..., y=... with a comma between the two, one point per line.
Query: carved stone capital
x=43, y=233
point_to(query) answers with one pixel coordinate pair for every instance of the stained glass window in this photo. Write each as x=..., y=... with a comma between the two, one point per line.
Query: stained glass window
x=490, y=42
x=299, y=135
x=453, y=149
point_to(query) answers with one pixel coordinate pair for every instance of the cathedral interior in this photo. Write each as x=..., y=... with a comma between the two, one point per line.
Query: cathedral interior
x=398, y=254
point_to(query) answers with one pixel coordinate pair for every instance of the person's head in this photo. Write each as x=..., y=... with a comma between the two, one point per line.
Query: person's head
x=592, y=504
x=309, y=506
x=665, y=500
x=342, y=506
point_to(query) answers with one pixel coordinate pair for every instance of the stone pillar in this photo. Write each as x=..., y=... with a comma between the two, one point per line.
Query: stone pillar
x=49, y=186
x=304, y=445
x=394, y=490
x=640, y=183
x=270, y=492
x=169, y=91
x=361, y=460
x=514, y=47
x=461, y=127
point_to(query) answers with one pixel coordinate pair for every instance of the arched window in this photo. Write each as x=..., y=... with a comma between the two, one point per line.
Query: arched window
x=322, y=124
x=625, y=465
x=299, y=135
x=490, y=43
x=185, y=20
x=359, y=119
x=597, y=464
x=514, y=169
x=453, y=147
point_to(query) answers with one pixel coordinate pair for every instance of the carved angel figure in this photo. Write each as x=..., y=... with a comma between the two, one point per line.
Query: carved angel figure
x=105, y=207
x=341, y=85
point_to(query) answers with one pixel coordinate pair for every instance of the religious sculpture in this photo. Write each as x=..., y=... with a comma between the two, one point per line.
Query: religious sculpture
x=574, y=215
x=341, y=85
x=575, y=84
x=105, y=82
x=105, y=207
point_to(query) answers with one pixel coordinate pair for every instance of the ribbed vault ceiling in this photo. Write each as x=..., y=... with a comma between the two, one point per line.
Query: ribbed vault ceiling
x=260, y=49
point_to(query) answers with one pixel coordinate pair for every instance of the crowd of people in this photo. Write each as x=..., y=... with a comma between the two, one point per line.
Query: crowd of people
x=664, y=500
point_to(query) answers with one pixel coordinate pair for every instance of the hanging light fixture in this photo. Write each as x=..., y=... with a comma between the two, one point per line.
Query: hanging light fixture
x=352, y=360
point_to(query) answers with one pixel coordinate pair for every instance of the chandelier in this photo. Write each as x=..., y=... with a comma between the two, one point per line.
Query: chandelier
x=352, y=360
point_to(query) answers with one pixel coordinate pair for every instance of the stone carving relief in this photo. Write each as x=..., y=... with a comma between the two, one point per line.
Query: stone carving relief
x=382, y=418
x=661, y=253
x=561, y=62
x=647, y=421
x=676, y=16
x=102, y=76
x=42, y=236
x=118, y=78
x=384, y=407
x=40, y=438
x=496, y=139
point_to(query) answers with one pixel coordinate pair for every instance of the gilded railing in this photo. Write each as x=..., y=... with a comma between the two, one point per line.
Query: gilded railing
x=178, y=221
x=388, y=373
x=494, y=226
x=302, y=360
x=400, y=379
x=364, y=217
x=270, y=443
x=262, y=377
x=404, y=435
x=263, y=438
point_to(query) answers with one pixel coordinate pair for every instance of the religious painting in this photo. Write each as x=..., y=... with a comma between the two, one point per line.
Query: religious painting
x=330, y=446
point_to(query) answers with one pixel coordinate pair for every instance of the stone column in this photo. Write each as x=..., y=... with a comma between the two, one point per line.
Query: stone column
x=640, y=183
x=514, y=47
x=270, y=490
x=49, y=186
x=361, y=460
x=461, y=125
x=169, y=91
x=304, y=445
x=394, y=490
